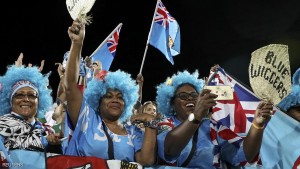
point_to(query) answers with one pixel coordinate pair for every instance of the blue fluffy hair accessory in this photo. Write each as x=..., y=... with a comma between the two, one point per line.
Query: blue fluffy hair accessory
x=293, y=99
x=119, y=80
x=166, y=91
x=15, y=74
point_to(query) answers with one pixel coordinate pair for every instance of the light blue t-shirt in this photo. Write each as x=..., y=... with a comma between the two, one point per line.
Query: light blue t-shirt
x=205, y=151
x=89, y=138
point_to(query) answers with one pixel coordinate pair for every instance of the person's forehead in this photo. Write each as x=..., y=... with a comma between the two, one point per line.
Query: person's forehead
x=26, y=89
x=150, y=105
x=113, y=91
x=185, y=87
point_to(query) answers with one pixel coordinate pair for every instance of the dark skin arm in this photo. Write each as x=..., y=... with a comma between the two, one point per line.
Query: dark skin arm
x=74, y=96
x=254, y=137
x=147, y=155
x=61, y=86
x=140, y=81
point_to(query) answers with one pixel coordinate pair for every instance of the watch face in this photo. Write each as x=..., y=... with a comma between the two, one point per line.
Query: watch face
x=191, y=117
x=154, y=123
x=151, y=124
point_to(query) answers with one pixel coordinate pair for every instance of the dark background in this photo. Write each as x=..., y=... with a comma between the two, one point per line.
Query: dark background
x=212, y=32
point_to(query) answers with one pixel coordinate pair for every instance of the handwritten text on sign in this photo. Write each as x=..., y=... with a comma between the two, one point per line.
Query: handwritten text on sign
x=275, y=74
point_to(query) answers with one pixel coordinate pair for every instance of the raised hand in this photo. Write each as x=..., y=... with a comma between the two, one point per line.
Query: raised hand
x=42, y=65
x=204, y=102
x=76, y=32
x=19, y=61
x=263, y=113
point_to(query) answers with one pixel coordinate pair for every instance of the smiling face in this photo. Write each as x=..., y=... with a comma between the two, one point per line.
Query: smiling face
x=25, y=103
x=184, y=101
x=112, y=105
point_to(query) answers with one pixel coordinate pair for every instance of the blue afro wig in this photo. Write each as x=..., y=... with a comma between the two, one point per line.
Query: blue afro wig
x=15, y=74
x=293, y=99
x=166, y=91
x=113, y=80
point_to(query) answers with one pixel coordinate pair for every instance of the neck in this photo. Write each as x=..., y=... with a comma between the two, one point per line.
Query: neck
x=28, y=119
x=115, y=127
x=111, y=122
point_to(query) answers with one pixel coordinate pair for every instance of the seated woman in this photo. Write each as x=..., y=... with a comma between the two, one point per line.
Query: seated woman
x=99, y=115
x=24, y=97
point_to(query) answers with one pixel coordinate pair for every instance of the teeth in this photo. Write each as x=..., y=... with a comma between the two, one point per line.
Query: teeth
x=24, y=106
x=190, y=105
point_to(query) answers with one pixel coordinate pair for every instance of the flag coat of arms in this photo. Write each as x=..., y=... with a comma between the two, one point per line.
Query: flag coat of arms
x=165, y=32
x=236, y=114
x=106, y=52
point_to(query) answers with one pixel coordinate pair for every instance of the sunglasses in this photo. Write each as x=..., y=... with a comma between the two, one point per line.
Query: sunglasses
x=21, y=96
x=186, y=96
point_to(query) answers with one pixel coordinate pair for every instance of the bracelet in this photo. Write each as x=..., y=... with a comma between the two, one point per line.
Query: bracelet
x=151, y=124
x=257, y=127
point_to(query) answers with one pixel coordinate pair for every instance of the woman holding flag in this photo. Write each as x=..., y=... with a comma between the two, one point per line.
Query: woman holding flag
x=198, y=141
x=98, y=117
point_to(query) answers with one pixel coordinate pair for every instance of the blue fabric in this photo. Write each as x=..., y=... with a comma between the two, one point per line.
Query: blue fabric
x=67, y=133
x=82, y=70
x=280, y=145
x=104, y=56
x=106, y=53
x=89, y=138
x=204, y=153
x=89, y=74
x=27, y=159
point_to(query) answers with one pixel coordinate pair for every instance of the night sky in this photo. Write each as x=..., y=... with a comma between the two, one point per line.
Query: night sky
x=212, y=32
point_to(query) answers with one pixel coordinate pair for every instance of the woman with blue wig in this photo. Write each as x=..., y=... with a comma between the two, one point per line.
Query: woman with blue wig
x=24, y=97
x=99, y=116
x=198, y=141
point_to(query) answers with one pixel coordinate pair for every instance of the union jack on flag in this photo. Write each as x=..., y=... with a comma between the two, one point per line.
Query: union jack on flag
x=236, y=114
x=112, y=42
x=106, y=53
x=162, y=16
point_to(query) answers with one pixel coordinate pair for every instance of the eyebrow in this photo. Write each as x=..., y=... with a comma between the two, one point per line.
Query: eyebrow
x=112, y=92
x=23, y=92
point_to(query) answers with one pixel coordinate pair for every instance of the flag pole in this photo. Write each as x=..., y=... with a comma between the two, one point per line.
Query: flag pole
x=147, y=43
x=120, y=24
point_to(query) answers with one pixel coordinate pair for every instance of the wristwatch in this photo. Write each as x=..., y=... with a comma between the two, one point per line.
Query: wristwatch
x=152, y=124
x=192, y=118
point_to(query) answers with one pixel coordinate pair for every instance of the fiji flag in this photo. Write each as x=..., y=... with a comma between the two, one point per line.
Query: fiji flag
x=236, y=114
x=106, y=52
x=165, y=32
